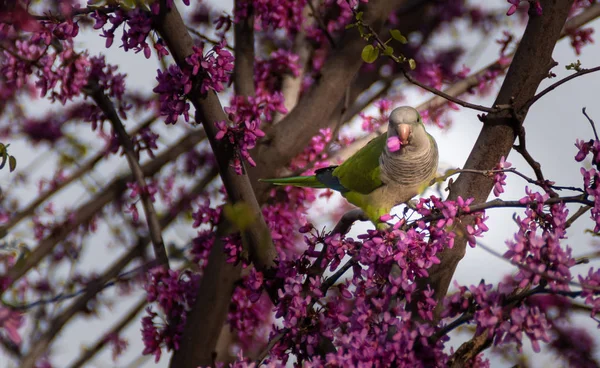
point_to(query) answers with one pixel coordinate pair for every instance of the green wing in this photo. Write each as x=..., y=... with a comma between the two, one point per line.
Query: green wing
x=360, y=172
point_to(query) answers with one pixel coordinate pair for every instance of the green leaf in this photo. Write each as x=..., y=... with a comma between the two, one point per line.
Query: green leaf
x=12, y=163
x=351, y=25
x=359, y=15
x=361, y=30
x=412, y=63
x=396, y=35
x=239, y=214
x=574, y=66
x=388, y=51
x=369, y=54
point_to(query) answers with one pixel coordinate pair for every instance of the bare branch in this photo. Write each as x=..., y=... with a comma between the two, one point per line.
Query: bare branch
x=206, y=38
x=349, y=218
x=42, y=344
x=553, y=86
x=106, y=105
x=83, y=169
x=87, y=211
x=90, y=352
x=591, y=123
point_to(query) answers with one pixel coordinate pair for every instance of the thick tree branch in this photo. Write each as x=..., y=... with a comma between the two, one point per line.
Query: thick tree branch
x=243, y=72
x=214, y=293
x=529, y=67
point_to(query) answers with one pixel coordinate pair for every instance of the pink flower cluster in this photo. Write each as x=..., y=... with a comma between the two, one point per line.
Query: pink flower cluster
x=10, y=322
x=283, y=14
x=494, y=315
x=372, y=123
x=591, y=176
x=137, y=24
x=541, y=256
x=246, y=114
x=175, y=84
x=515, y=4
x=268, y=73
x=315, y=154
x=174, y=293
x=500, y=176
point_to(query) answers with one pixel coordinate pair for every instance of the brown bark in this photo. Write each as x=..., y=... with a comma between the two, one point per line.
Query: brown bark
x=530, y=66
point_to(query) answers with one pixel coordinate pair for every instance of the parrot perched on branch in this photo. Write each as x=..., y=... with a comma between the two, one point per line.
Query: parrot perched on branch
x=381, y=175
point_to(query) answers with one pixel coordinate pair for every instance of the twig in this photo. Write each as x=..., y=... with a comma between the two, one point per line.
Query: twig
x=274, y=340
x=560, y=82
x=105, y=104
x=498, y=203
x=347, y=220
x=582, y=210
x=336, y=276
x=76, y=12
x=448, y=97
x=506, y=170
x=321, y=24
x=591, y=123
x=206, y=38
x=537, y=168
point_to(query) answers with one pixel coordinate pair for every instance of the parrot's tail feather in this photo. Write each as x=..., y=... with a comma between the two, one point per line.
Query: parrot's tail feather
x=297, y=181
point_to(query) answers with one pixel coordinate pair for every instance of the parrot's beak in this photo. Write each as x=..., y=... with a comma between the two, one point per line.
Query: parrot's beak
x=404, y=131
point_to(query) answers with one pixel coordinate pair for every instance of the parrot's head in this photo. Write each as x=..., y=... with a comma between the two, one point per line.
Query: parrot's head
x=407, y=125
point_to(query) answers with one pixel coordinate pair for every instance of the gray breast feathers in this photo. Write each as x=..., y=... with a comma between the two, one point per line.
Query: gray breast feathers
x=410, y=167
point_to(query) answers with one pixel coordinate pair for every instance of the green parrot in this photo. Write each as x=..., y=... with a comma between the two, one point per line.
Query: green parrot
x=380, y=176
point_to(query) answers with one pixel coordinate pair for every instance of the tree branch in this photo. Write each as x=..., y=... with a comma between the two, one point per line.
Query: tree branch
x=87, y=211
x=529, y=67
x=216, y=287
x=553, y=86
x=90, y=352
x=243, y=72
x=111, y=114
x=83, y=169
x=99, y=284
